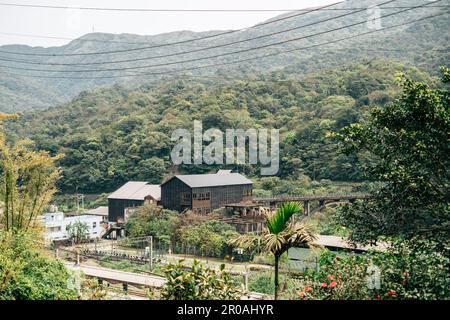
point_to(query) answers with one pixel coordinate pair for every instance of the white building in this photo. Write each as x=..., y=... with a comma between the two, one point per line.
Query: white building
x=57, y=225
x=100, y=211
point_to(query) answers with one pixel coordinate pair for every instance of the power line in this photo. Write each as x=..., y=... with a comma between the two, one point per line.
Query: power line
x=331, y=49
x=201, y=49
x=27, y=35
x=232, y=62
x=186, y=52
x=218, y=55
x=210, y=47
x=163, y=9
x=177, y=42
x=192, y=51
x=237, y=61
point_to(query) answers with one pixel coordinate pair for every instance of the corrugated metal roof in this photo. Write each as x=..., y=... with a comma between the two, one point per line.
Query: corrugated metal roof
x=213, y=180
x=100, y=211
x=137, y=190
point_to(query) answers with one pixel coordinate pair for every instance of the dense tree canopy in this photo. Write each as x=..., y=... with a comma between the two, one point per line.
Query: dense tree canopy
x=409, y=142
x=110, y=136
x=151, y=220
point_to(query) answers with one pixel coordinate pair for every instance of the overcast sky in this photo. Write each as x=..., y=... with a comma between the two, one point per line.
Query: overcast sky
x=69, y=23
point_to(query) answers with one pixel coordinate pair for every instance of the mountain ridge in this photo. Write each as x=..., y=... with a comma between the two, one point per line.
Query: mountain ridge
x=18, y=93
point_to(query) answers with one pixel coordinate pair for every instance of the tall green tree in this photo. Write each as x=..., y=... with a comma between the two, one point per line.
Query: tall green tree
x=27, y=273
x=78, y=231
x=281, y=233
x=408, y=142
x=27, y=182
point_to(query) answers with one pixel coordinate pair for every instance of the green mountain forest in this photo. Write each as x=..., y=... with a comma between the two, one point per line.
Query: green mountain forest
x=120, y=128
x=361, y=110
x=110, y=136
x=422, y=44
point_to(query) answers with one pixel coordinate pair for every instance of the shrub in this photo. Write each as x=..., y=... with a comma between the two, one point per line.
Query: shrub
x=198, y=283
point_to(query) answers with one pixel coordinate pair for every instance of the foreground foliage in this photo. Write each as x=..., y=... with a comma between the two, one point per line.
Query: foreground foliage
x=409, y=143
x=198, y=283
x=27, y=182
x=27, y=274
x=408, y=270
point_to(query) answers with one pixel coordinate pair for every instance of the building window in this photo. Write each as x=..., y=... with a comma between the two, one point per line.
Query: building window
x=202, y=196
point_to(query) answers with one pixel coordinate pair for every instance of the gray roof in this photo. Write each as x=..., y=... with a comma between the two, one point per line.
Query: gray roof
x=213, y=180
x=137, y=190
x=224, y=171
x=100, y=211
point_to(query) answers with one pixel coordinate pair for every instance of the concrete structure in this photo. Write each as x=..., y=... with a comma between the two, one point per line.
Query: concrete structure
x=131, y=195
x=204, y=193
x=341, y=243
x=57, y=225
x=131, y=278
x=321, y=200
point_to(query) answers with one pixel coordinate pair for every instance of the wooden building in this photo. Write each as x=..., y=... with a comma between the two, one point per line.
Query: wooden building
x=130, y=196
x=204, y=193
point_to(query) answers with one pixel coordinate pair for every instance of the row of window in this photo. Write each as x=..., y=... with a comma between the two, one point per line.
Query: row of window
x=186, y=196
x=201, y=196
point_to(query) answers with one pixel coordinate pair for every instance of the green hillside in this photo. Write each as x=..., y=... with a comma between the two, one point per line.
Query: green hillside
x=423, y=44
x=113, y=135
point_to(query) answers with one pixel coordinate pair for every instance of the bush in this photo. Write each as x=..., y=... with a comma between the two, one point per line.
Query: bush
x=209, y=237
x=263, y=282
x=151, y=220
x=198, y=283
x=27, y=274
x=415, y=269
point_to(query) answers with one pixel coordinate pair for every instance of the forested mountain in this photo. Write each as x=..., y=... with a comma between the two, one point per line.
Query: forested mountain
x=423, y=44
x=113, y=135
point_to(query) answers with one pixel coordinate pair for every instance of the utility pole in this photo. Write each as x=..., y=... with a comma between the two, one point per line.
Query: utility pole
x=150, y=253
x=80, y=197
x=246, y=279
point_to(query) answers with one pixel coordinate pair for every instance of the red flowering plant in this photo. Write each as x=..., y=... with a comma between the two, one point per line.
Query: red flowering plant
x=338, y=278
x=415, y=269
x=407, y=270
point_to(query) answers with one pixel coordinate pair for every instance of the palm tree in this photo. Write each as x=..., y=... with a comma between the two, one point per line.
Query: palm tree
x=280, y=235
